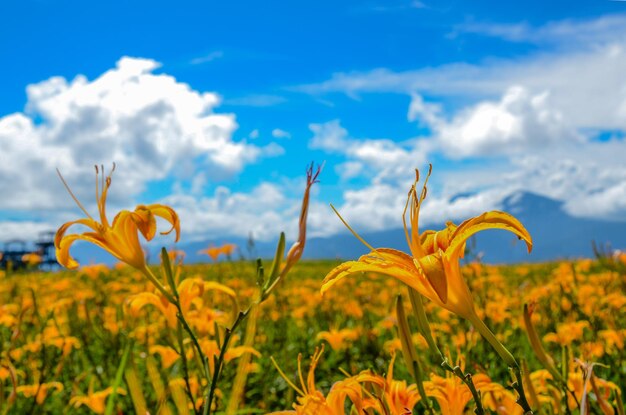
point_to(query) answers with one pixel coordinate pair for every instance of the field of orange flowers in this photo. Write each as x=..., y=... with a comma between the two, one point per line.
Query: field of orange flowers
x=65, y=334
x=389, y=333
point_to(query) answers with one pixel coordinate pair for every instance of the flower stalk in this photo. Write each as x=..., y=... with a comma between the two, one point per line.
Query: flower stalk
x=508, y=358
x=409, y=353
x=424, y=329
x=121, y=239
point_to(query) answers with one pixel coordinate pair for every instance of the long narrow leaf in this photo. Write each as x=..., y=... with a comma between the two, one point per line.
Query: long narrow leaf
x=118, y=378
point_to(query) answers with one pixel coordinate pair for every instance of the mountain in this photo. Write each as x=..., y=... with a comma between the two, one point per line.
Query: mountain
x=555, y=234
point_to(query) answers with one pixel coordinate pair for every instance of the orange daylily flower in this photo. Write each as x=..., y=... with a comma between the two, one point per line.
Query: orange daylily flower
x=432, y=268
x=32, y=259
x=189, y=291
x=121, y=237
x=168, y=355
x=400, y=397
x=39, y=391
x=311, y=401
x=339, y=339
x=95, y=401
x=451, y=394
x=215, y=251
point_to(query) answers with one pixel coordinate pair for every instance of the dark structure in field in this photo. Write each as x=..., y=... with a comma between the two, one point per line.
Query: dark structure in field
x=15, y=254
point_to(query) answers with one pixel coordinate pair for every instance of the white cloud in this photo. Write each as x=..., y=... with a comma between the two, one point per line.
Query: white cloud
x=565, y=33
x=385, y=159
x=587, y=85
x=207, y=58
x=608, y=202
x=350, y=169
x=589, y=178
x=22, y=230
x=151, y=125
x=254, y=134
x=535, y=116
x=328, y=136
x=278, y=133
x=519, y=121
x=585, y=81
x=265, y=211
x=376, y=207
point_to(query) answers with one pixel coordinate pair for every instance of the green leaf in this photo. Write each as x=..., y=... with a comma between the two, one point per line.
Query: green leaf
x=278, y=259
x=167, y=266
x=118, y=378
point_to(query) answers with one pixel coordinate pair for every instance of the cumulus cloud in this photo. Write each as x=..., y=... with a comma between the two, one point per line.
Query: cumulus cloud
x=379, y=206
x=152, y=126
x=328, y=136
x=373, y=208
x=265, y=211
x=385, y=159
x=518, y=122
x=26, y=230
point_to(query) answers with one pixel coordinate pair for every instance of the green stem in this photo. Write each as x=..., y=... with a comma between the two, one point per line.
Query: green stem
x=183, y=356
x=220, y=360
x=194, y=340
x=469, y=382
x=508, y=358
x=153, y=279
x=118, y=379
x=491, y=338
x=424, y=328
x=175, y=300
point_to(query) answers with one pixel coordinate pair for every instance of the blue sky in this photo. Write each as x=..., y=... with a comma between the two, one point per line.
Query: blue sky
x=216, y=109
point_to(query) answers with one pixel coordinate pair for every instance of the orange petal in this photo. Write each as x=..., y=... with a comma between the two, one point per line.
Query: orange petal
x=64, y=243
x=169, y=215
x=387, y=262
x=432, y=267
x=145, y=221
x=136, y=302
x=488, y=220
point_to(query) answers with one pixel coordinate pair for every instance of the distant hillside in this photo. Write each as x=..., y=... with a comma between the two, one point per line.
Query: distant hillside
x=555, y=235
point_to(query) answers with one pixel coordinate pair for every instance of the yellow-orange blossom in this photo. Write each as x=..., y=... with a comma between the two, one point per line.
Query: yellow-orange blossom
x=121, y=237
x=433, y=266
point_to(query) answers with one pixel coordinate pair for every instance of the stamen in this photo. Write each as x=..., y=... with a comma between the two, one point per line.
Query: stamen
x=97, y=192
x=300, y=375
x=406, y=207
x=345, y=372
x=352, y=230
x=290, y=383
x=412, y=237
x=422, y=194
x=72, y=194
x=424, y=190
